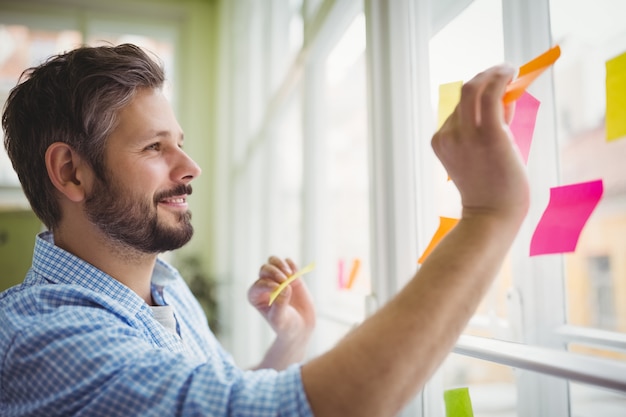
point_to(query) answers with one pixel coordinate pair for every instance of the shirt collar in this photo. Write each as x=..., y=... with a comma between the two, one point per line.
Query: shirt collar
x=61, y=267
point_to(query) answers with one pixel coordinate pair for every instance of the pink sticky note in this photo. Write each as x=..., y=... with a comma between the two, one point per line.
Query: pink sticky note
x=341, y=282
x=568, y=210
x=523, y=123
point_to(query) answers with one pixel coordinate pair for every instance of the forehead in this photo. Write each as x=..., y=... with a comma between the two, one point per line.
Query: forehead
x=149, y=114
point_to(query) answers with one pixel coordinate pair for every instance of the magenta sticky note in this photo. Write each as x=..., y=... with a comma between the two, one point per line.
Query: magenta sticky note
x=341, y=282
x=523, y=123
x=562, y=222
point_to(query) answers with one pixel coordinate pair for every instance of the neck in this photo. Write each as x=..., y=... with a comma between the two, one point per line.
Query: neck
x=125, y=264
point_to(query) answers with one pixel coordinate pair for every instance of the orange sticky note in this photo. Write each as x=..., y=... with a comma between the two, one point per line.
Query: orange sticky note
x=543, y=61
x=356, y=264
x=445, y=225
x=529, y=73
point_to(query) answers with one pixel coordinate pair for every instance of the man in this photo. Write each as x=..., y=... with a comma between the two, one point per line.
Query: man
x=101, y=327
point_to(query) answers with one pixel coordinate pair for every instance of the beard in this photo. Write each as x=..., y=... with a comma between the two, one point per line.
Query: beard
x=132, y=221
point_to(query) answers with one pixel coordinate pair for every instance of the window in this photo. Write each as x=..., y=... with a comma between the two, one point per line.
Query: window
x=594, y=272
x=285, y=210
x=601, y=293
x=345, y=260
x=472, y=41
x=549, y=338
x=491, y=386
x=469, y=43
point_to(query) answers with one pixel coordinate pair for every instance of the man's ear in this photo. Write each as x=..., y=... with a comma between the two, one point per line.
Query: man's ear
x=68, y=172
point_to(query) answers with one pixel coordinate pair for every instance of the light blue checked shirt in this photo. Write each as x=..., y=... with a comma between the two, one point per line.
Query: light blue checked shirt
x=76, y=342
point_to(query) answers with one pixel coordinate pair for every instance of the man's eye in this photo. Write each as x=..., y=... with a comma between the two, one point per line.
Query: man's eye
x=153, y=147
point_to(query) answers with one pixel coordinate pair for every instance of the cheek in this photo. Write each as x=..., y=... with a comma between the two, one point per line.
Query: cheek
x=143, y=176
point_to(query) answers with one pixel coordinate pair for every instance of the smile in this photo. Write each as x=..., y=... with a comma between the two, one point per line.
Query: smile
x=175, y=200
x=178, y=201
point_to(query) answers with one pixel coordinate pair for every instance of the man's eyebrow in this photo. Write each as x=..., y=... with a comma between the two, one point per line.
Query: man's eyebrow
x=163, y=134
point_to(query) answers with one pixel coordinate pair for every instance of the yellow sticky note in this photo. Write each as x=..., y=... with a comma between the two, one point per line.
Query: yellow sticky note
x=616, y=98
x=449, y=97
x=289, y=280
x=458, y=403
x=445, y=225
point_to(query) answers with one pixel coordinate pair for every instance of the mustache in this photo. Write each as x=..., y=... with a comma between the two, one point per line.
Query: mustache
x=179, y=190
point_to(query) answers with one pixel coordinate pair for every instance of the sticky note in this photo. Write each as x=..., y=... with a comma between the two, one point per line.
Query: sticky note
x=616, y=98
x=445, y=225
x=289, y=280
x=523, y=124
x=542, y=61
x=356, y=264
x=458, y=403
x=341, y=283
x=449, y=97
x=562, y=222
x=529, y=73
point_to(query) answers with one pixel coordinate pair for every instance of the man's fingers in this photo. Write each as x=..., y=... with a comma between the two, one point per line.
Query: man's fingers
x=273, y=273
x=481, y=97
x=285, y=266
x=468, y=108
x=292, y=265
x=492, y=107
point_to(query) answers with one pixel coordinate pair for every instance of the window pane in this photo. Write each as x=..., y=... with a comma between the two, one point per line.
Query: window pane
x=467, y=45
x=286, y=179
x=344, y=266
x=596, y=271
x=588, y=401
x=296, y=27
x=491, y=386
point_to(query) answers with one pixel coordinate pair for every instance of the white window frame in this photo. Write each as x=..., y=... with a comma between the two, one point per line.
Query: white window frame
x=400, y=126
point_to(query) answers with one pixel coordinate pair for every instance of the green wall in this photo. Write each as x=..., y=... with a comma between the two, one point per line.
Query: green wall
x=17, y=239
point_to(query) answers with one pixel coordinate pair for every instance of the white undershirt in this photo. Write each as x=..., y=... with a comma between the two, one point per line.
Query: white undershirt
x=165, y=316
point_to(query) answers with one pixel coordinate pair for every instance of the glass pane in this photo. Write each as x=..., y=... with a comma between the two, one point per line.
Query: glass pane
x=311, y=8
x=596, y=271
x=24, y=47
x=491, y=386
x=286, y=179
x=344, y=266
x=588, y=401
x=296, y=27
x=470, y=43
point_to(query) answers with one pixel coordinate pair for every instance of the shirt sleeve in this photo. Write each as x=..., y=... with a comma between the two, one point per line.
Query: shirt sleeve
x=91, y=364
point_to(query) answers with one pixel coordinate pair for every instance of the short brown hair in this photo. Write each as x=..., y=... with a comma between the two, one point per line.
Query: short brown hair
x=73, y=98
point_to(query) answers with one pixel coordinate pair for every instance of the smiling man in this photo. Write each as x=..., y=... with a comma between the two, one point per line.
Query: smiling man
x=102, y=327
x=135, y=206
